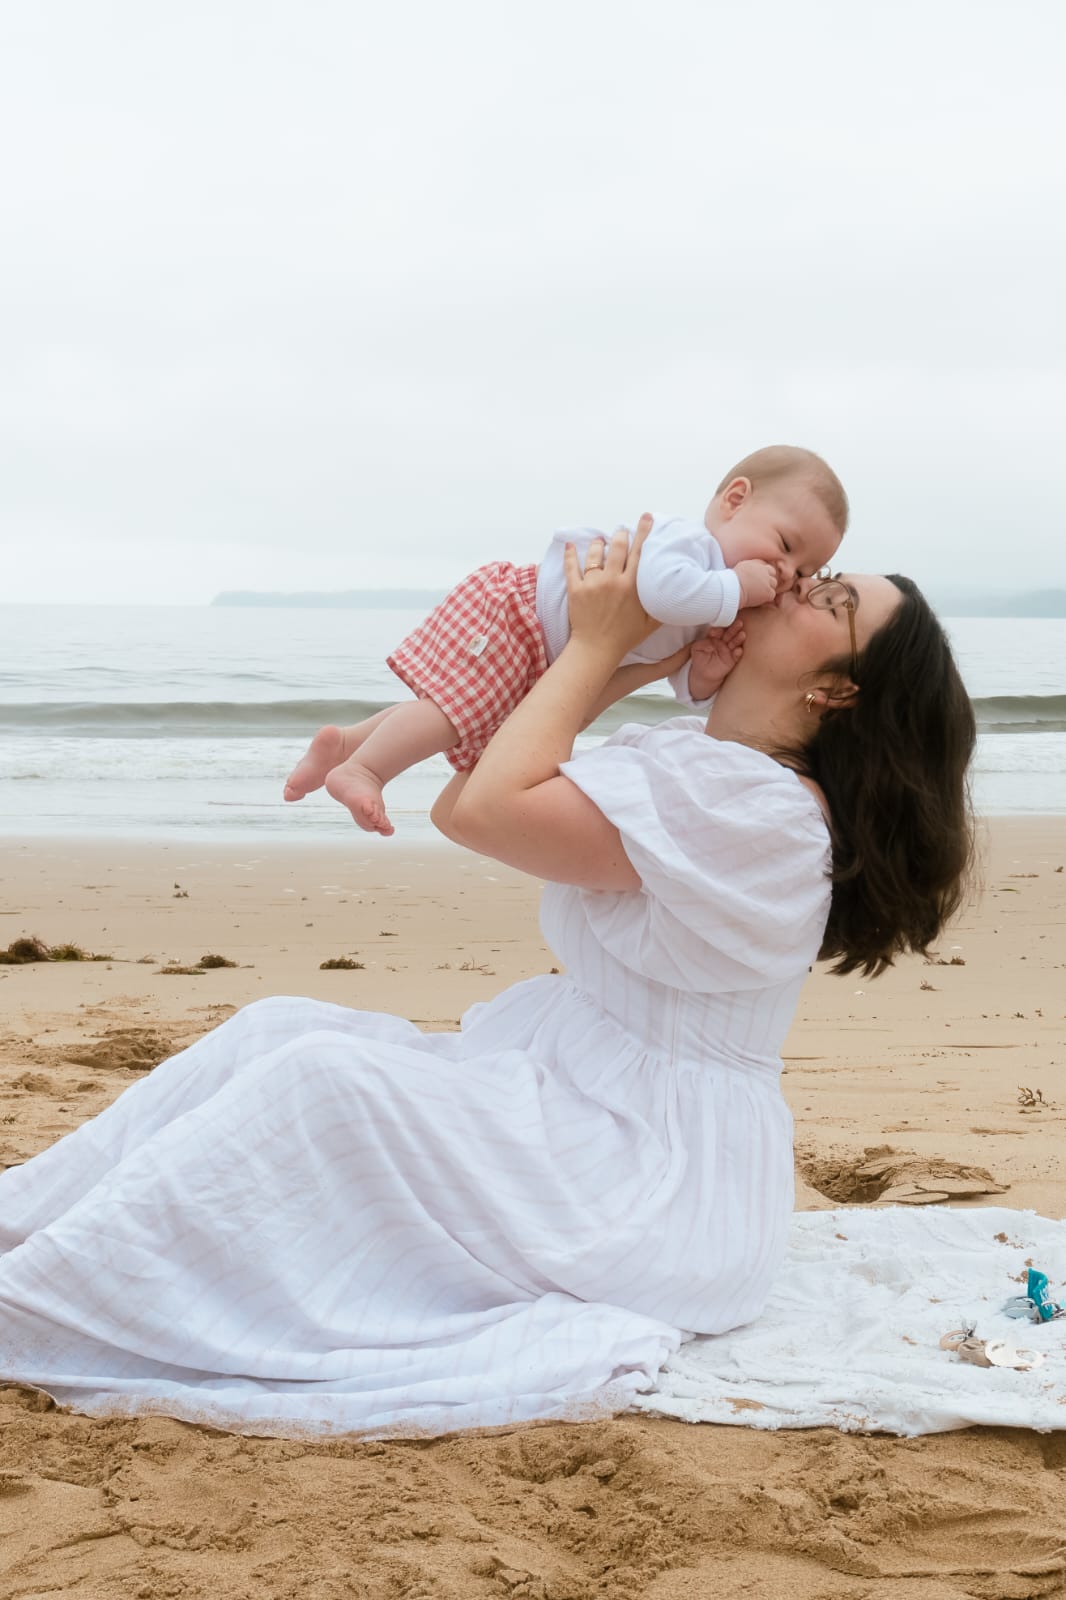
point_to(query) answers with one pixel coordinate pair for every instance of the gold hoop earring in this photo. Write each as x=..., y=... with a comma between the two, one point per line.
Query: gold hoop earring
x=809, y=701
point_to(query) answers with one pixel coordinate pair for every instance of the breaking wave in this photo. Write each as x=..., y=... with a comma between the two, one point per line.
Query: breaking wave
x=236, y=719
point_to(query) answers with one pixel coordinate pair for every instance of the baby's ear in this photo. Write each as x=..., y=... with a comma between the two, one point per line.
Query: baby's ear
x=734, y=495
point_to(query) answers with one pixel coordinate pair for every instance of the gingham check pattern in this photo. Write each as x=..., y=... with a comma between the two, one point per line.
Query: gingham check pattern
x=477, y=654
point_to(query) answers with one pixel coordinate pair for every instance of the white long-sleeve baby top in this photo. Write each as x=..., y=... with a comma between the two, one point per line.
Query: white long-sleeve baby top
x=682, y=581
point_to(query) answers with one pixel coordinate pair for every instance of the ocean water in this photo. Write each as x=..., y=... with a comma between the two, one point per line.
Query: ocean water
x=127, y=721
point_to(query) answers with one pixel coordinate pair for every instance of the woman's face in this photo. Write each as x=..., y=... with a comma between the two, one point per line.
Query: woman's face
x=789, y=639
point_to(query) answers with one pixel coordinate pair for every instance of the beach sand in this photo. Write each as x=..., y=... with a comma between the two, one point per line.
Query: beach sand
x=927, y=1061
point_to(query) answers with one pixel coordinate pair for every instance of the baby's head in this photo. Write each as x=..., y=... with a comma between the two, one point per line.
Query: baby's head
x=782, y=505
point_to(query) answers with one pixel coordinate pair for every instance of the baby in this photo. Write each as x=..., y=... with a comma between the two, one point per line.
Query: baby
x=779, y=513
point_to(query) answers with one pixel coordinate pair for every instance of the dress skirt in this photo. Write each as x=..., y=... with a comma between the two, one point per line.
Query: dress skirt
x=318, y=1219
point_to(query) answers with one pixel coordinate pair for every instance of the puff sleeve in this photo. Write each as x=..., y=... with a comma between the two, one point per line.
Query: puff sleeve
x=732, y=851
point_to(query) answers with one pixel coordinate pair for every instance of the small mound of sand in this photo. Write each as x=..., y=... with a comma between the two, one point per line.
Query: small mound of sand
x=130, y=1049
x=896, y=1177
x=33, y=1083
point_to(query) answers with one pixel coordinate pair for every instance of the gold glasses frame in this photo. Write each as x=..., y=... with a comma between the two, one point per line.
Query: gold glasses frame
x=829, y=591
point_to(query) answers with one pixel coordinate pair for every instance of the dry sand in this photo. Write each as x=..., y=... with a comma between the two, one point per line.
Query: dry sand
x=927, y=1061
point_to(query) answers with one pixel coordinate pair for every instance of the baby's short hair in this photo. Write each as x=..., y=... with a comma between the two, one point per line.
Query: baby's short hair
x=776, y=462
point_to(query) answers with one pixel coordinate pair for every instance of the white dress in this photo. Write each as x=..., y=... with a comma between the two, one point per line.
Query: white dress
x=317, y=1219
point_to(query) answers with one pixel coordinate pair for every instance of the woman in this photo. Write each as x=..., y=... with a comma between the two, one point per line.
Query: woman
x=319, y=1218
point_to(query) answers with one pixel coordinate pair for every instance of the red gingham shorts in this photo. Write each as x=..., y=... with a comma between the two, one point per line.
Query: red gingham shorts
x=477, y=654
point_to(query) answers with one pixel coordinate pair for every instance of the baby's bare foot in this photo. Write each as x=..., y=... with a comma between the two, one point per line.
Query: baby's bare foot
x=325, y=752
x=360, y=790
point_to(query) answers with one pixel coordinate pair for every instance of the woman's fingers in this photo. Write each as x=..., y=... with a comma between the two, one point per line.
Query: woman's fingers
x=617, y=550
x=644, y=527
x=596, y=554
x=607, y=555
x=595, y=560
x=622, y=549
x=604, y=602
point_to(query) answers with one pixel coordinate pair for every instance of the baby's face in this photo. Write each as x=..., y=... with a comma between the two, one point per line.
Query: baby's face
x=786, y=525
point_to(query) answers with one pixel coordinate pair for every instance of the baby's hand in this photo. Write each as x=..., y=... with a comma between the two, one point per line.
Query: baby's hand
x=758, y=583
x=713, y=659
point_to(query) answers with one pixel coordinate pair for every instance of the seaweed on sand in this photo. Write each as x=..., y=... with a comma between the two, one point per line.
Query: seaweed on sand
x=22, y=951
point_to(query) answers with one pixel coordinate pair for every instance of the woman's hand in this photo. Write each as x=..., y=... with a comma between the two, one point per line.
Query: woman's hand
x=604, y=604
x=515, y=804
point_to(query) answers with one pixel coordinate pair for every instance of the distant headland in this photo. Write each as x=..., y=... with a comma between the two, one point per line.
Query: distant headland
x=964, y=602
x=950, y=602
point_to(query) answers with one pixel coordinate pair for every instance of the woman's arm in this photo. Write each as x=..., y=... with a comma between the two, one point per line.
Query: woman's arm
x=515, y=806
x=627, y=680
x=444, y=805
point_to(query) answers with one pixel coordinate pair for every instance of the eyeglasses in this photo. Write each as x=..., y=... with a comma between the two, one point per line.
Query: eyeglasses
x=826, y=594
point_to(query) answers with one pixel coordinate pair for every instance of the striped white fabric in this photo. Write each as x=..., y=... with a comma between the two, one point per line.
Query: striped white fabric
x=322, y=1219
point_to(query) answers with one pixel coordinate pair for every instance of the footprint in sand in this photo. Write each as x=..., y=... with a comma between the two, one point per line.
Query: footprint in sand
x=898, y=1177
x=132, y=1049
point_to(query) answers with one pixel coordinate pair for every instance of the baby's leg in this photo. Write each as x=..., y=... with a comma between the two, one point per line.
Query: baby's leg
x=329, y=747
x=410, y=733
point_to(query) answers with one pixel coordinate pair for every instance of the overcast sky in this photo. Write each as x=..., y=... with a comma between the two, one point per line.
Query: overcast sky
x=325, y=294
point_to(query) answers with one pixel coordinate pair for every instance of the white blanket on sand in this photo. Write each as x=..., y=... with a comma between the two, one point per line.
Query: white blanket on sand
x=850, y=1337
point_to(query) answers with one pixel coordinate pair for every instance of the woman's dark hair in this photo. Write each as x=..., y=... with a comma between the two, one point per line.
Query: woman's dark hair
x=893, y=763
